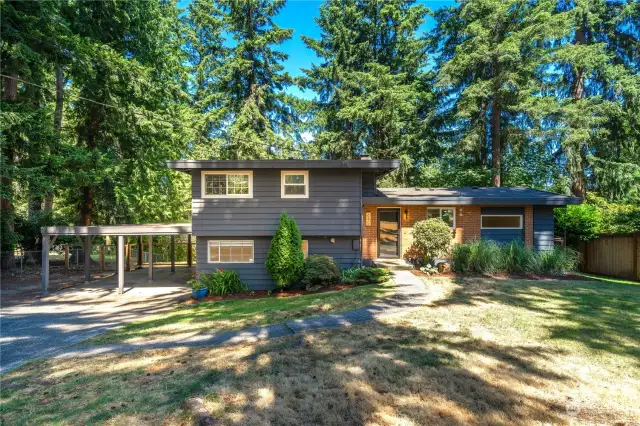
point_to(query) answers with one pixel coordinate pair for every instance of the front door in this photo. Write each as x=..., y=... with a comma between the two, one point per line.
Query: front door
x=389, y=233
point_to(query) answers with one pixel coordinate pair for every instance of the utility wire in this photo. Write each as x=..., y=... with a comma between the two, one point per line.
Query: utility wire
x=121, y=109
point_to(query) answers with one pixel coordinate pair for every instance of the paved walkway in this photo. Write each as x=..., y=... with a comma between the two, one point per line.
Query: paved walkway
x=46, y=327
x=410, y=294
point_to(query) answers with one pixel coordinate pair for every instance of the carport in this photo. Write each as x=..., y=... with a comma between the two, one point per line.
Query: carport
x=86, y=234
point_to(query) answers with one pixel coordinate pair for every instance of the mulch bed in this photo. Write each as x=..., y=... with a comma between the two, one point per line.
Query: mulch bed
x=261, y=294
x=534, y=277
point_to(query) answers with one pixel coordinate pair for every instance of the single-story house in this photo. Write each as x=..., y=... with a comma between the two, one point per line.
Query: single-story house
x=236, y=206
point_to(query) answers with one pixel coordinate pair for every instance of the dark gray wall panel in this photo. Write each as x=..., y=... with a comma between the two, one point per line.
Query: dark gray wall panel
x=503, y=236
x=332, y=209
x=368, y=184
x=543, y=232
x=255, y=274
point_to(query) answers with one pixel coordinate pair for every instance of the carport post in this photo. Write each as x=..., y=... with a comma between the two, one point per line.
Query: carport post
x=150, y=257
x=140, y=250
x=173, y=254
x=189, y=260
x=87, y=258
x=120, y=264
x=45, y=264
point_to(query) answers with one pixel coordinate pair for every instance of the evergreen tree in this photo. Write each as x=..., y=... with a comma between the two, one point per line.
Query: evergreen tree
x=285, y=258
x=370, y=80
x=260, y=114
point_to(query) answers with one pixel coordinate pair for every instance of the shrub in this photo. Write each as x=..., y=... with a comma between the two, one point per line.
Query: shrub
x=285, y=260
x=556, y=261
x=432, y=238
x=365, y=275
x=222, y=283
x=517, y=258
x=321, y=269
x=461, y=257
x=413, y=255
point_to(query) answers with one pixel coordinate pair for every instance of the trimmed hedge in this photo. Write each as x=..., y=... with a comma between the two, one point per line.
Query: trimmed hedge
x=321, y=269
x=488, y=257
x=365, y=275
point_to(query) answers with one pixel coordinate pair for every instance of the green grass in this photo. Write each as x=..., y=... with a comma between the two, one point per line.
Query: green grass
x=233, y=314
x=484, y=351
x=608, y=279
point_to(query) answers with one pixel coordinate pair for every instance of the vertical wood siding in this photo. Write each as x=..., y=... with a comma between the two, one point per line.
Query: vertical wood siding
x=614, y=255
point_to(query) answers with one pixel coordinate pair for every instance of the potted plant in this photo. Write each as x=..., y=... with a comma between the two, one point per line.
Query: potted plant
x=199, y=289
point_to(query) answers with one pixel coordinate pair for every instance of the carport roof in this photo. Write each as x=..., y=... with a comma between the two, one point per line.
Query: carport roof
x=150, y=229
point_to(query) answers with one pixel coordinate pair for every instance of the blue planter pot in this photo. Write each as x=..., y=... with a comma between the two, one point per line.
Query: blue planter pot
x=200, y=293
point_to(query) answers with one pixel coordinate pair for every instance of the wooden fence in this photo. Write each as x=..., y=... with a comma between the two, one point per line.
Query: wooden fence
x=613, y=255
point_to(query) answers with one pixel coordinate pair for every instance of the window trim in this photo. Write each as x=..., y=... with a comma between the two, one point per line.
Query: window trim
x=455, y=214
x=502, y=215
x=226, y=172
x=209, y=245
x=284, y=173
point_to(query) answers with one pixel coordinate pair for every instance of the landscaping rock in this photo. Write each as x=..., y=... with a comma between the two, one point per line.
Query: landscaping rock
x=444, y=268
x=314, y=287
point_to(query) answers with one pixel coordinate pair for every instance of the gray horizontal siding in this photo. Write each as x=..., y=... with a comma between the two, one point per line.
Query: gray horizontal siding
x=332, y=209
x=543, y=232
x=368, y=184
x=255, y=274
x=503, y=236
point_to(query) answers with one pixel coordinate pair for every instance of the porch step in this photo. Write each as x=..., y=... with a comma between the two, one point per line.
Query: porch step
x=393, y=264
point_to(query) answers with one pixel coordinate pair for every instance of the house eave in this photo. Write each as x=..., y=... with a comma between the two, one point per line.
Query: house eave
x=558, y=201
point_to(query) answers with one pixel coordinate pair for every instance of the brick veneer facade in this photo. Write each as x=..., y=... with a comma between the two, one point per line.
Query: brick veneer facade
x=528, y=226
x=413, y=215
x=467, y=226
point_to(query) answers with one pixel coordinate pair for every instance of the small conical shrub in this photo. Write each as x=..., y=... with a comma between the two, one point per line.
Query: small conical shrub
x=285, y=259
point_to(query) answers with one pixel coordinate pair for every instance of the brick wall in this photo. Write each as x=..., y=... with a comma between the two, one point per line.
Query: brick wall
x=528, y=226
x=468, y=224
x=466, y=218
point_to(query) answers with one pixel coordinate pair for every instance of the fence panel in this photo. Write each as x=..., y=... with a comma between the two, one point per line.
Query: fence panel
x=613, y=255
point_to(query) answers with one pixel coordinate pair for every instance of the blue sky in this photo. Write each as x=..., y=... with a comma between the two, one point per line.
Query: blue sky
x=299, y=15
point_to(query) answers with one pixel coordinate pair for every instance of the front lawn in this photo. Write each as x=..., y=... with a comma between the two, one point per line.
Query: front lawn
x=485, y=351
x=208, y=317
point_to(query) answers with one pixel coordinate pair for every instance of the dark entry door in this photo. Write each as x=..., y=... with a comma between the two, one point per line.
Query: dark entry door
x=389, y=233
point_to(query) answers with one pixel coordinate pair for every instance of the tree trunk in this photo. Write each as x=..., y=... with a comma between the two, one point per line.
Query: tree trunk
x=483, y=136
x=57, y=127
x=496, y=143
x=578, y=188
x=9, y=95
x=86, y=202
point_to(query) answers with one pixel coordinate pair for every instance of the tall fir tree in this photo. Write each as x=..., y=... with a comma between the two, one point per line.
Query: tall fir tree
x=370, y=80
x=261, y=117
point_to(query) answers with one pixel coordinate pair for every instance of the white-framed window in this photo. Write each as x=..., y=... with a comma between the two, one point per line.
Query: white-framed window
x=501, y=221
x=295, y=183
x=447, y=214
x=227, y=184
x=231, y=251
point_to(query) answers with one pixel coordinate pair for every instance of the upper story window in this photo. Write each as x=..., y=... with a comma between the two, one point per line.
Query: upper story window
x=295, y=184
x=501, y=221
x=447, y=214
x=229, y=184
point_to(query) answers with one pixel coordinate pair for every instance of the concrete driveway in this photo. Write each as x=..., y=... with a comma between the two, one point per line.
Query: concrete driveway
x=44, y=327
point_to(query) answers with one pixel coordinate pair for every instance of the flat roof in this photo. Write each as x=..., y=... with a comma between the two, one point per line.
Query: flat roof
x=470, y=195
x=149, y=229
x=383, y=166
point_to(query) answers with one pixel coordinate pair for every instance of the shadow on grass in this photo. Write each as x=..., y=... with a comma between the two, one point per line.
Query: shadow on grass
x=600, y=315
x=369, y=373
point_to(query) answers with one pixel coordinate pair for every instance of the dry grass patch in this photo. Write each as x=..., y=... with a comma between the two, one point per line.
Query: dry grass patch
x=488, y=353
